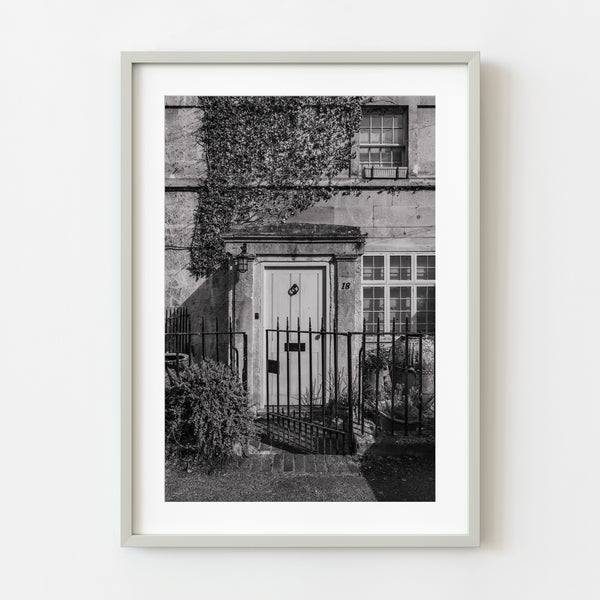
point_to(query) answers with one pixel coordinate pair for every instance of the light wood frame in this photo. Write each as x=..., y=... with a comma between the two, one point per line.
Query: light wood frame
x=128, y=537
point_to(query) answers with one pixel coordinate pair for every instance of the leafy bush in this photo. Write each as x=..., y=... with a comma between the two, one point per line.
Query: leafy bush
x=377, y=360
x=412, y=400
x=207, y=418
x=269, y=158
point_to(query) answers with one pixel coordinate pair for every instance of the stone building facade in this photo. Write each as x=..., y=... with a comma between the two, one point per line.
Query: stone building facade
x=365, y=256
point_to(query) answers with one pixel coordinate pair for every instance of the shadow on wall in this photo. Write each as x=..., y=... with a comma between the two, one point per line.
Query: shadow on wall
x=209, y=301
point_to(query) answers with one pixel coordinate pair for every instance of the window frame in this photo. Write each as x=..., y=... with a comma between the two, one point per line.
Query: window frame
x=388, y=283
x=400, y=110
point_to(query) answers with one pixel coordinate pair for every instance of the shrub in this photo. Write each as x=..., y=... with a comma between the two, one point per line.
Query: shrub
x=377, y=359
x=207, y=418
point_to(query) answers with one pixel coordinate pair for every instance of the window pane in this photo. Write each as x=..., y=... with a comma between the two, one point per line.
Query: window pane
x=367, y=269
x=364, y=136
x=388, y=121
x=396, y=157
x=426, y=267
x=364, y=155
x=375, y=136
x=406, y=268
x=394, y=267
x=421, y=267
x=373, y=308
x=400, y=307
x=378, y=268
x=373, y=268
x=365, y=122
x=387, y=136
x=431, y=267
x=425, y=309
x=376, y=121
x=386, y=157
x=400, y=268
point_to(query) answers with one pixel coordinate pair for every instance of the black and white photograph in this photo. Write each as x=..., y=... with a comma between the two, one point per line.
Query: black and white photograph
x=300, y=298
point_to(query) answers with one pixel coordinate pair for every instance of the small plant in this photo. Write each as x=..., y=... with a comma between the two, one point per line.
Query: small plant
x=207, y=418
x=412, y=398
x=377, y=359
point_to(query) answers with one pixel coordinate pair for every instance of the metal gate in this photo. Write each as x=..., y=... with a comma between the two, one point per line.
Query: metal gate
x=326, y=412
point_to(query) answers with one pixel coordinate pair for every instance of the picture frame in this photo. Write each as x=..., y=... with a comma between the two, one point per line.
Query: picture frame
x=132, y=220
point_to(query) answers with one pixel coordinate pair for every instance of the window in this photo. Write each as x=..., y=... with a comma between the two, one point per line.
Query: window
x=426, y=308
x=426, y=267
x=373, y=268
x=382, y=142
x=400, y=267
x=373, y=306
x=397, y=287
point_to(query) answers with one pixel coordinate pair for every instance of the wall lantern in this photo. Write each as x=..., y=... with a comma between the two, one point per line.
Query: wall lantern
x=241, y=260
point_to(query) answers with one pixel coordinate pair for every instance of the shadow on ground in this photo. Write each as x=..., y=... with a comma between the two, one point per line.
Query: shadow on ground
x=399, y=469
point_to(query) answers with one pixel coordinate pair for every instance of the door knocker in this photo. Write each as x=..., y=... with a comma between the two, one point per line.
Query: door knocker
x=293, y=290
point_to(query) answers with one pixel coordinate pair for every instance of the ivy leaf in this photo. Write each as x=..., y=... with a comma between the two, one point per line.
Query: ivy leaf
x=267, y=159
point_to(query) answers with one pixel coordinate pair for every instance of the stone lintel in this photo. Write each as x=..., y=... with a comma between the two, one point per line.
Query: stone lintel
x=345, y=257
x=297, y=239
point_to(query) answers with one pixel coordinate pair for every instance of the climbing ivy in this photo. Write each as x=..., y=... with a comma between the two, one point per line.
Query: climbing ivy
x=267, y=158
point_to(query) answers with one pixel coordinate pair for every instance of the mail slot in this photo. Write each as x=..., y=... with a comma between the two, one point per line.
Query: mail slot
x=293, y=347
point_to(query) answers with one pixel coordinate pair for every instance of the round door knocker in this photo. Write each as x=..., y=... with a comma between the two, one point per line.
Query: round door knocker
x=293, y=290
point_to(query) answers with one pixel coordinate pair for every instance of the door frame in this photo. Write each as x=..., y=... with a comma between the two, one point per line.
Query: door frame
x=325, y=267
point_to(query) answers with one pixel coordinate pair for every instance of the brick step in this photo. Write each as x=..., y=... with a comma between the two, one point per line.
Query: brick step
x=302, y=464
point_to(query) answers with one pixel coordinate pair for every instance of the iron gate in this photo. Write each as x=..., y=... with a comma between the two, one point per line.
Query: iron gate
x=324, y=409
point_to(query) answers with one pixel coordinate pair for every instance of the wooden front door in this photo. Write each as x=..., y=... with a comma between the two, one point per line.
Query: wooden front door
x=295, y=296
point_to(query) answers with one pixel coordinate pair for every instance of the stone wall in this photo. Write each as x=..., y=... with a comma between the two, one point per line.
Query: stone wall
x=399, y=220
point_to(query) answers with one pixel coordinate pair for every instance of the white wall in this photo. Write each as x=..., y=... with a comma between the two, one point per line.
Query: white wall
x=59, y=172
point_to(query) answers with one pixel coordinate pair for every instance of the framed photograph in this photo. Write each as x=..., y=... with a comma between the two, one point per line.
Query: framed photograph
x=300, y=313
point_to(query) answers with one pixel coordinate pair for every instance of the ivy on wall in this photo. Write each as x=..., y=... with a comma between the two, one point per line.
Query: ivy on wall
x=267, y=159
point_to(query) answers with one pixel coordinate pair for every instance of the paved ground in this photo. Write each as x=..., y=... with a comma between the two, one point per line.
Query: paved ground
x=393, y=470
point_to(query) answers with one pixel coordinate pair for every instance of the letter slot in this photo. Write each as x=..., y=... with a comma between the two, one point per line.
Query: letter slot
x=293, y=347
